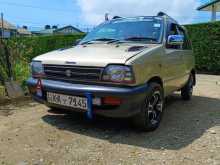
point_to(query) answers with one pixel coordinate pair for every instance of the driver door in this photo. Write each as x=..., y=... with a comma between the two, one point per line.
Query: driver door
x=174, y=64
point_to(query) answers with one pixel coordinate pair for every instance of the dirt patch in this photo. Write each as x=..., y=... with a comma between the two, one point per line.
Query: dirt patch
x=5, y=112
x=189, y=134
x=8, y=106
x=16, y=102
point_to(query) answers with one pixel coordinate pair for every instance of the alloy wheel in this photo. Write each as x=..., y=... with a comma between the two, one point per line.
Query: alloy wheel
x=154, y=106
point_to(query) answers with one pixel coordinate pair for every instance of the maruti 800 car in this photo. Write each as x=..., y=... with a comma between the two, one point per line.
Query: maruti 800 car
x=124, y=68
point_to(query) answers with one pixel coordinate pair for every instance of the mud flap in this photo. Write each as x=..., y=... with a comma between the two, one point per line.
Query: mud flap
x=89, y=103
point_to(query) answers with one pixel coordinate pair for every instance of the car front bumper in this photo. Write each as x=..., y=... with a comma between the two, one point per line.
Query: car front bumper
x=132, y=97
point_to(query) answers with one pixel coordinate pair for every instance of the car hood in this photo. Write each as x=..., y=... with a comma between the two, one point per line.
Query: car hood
x=94, y=55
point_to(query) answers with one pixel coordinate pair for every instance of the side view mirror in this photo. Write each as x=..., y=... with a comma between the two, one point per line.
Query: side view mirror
x=77, y=42
x=175, y=40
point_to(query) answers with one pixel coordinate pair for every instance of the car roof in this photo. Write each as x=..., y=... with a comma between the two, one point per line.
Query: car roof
x=136, y=18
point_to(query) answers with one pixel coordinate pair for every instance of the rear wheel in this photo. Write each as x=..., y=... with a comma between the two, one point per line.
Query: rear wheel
x=187, y=90
x=152, y=109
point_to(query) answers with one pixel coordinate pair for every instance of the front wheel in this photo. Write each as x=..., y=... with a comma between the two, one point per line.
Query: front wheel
x=152, y=109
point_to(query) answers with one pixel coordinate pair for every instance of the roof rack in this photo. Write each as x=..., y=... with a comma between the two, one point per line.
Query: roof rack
x=116, y=17
x=162, y=14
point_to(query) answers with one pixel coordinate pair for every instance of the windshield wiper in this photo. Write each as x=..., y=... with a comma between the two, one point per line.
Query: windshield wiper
x=105, y=39
x=141, y=39
x=100, y=39
x=112, y=40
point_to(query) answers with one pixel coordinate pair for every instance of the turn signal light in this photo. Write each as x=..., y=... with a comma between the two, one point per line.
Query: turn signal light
x=112, y=101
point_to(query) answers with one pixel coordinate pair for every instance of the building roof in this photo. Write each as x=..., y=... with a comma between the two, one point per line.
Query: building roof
x=44, y=32
x=7, y=25
x=23, y=31
x=208, y=6
x=69, y=26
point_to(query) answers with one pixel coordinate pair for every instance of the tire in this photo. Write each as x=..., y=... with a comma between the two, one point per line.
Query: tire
x=187, y=90
x=151, y=113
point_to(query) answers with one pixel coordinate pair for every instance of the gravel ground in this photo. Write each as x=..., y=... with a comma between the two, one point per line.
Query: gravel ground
x=189, y=134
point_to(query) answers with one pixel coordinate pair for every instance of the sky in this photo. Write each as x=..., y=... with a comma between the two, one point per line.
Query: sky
x=89, y=13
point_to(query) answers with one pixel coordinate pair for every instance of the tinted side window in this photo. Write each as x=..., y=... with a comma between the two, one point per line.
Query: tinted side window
x=187, y=44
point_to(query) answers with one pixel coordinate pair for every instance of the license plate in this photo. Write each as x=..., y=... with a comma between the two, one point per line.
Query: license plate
x=68, y=101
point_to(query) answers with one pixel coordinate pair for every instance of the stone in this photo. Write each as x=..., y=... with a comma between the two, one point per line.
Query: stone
x=212, y=131
x=13, y=90
x=23, y=163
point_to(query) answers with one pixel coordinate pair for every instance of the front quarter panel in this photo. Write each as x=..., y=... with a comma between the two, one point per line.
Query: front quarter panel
x=148, y=64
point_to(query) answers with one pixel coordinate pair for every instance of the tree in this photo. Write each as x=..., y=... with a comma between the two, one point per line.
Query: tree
x=54, y=27
x=47, y=27
x=24, y=27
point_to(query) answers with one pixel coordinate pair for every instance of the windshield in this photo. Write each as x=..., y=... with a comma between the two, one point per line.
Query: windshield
x=131, y=30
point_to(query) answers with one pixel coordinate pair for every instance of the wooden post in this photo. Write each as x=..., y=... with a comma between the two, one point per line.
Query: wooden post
x=106, y=17
x=6, y=51
x=1, y=45
x=2, y=25
x=213, y=12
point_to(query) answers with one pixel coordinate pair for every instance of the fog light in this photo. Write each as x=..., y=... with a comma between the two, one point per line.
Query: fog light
x=112, y=101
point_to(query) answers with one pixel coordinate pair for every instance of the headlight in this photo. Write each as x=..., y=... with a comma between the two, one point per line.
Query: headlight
x=37, y=69
x=118, y=74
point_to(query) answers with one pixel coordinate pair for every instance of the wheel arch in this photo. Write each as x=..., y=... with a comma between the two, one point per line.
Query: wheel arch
x=156, y=79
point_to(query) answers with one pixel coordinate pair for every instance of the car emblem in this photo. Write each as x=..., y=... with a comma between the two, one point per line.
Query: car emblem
x=70, y=62
x=68, y=73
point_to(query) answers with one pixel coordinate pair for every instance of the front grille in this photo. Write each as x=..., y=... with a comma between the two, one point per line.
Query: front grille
x=73, y=73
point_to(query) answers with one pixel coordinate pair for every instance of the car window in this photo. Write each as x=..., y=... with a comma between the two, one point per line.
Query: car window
x=150, y=29
x=187, y=43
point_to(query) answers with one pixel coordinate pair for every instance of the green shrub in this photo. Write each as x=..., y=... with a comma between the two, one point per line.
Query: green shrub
x=22, y=50
x=30, y=47
x=206, y=45
x=21, y=72
x=205, y=39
